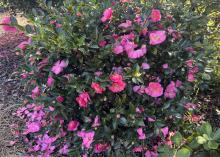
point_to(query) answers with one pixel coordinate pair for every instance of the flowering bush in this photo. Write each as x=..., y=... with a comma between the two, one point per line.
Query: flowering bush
x=111, y=79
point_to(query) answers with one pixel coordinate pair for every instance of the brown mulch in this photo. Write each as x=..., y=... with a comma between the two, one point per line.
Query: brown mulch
x=210, y=108
x=11, y=91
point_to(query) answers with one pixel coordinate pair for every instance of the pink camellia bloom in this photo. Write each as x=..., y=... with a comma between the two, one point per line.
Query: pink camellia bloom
x=73, y=125
x=178, y=83
x=24, y=75
x=190, y=77
x=155, y=15
x=145, y=66
x=83, y=99
x=35, y=92
x=58, y=25
x=6, y=21
x=116, y=78
x=144, y=31
x=118, y=49
x=124, y=1
x=64, y=150
x=165, y=131
x=129, y=46
x=24, y=44
x=165, y=66
x=107, y=15
x=137, y=53
x=150, y=154
x=126, y=24
x=117, y=87
x=170, y=91
x=87, y=138
x=101, y=147
x=33, y=127
x=139, y=109
x=154, y=89
x=157, y=37
x=98, y=89
x=189, y=63
x=150, y=119
x=139, y=89
x=50, y=81
x=59, y=66
x=96, y=122
x=60, y=99
x=102, y=43
x=190, y=49
x=138, y=149
x=141, y=134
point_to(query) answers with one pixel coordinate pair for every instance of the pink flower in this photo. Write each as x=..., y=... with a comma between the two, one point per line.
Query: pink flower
x=101, y=147
x=137, y=53
x=98, y=73
x=145, y=66
x=190, y=49
x=165, y=66
x=59, y=66
x=155, y=15
x=73, y=125
x=98, y=89
x=50, y=81
x=141, y=134
x=24, y=75
x=102, y=43
x=154, y=89
x=32, y=128
x=189, y=63
x=35, y=92
x=83, y=99
x=117, y=87
x=24, y=44
x=165, y=131
x=150, y=119
x=178, y=83
x=6, y=21
x=107, y=15
x=190, y=77
x=96, y=122
x=139, y=89
x=139, y=109
x=60, y=99
x=157, y=37
x=170, y=91
x=87, y=138
x=128, y=46
x=116, y=78
x=150, y=154
x=138, y=149
x=126, y=24
x=118, y=49
x=58, y=25
x=64, y=150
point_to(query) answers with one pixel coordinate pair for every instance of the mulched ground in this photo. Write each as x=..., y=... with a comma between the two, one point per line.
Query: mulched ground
x=11, y=91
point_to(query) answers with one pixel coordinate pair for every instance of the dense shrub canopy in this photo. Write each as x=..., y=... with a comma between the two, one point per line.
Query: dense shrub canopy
x=111, y=77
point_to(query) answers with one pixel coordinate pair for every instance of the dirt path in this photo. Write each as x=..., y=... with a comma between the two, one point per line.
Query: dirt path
x=10, y=91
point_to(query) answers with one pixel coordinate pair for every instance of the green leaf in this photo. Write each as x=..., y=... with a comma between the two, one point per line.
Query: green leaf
x=123, y=121
x=212, y=145
x=201, y=154
x=216, y=135
x=201, y=140
x=177, y=138
x=183, y=152
x=206, y=128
